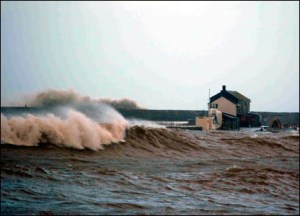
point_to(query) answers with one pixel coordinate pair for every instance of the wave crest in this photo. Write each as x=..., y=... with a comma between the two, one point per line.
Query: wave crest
x=76, y=131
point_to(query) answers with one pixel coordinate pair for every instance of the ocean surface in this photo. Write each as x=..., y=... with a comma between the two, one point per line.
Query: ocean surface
x=148, y=169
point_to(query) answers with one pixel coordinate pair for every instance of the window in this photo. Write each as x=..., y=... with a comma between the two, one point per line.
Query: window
x=213, y=106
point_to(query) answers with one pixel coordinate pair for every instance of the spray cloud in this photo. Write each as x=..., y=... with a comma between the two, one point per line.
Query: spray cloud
x=72, y=120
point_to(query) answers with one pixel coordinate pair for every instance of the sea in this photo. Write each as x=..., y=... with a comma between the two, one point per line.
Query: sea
x=74, y=163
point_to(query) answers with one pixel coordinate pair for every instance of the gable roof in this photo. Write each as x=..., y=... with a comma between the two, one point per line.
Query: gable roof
x=232, y=96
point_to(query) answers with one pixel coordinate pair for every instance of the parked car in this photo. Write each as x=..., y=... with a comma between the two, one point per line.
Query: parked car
x=264, y=128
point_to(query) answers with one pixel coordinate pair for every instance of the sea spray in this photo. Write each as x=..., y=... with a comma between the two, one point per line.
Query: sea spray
x=75, y=131
x=145, y=123
x=54, y=97
x=66, y=118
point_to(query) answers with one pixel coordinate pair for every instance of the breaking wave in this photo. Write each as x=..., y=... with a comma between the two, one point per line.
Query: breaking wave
x=76, y=131
x=64, y=118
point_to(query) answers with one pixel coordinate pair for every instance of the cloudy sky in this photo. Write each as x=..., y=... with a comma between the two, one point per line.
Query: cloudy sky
x=164, y=55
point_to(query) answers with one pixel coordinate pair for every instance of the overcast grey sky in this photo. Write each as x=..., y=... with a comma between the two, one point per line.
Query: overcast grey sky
x=164, y=55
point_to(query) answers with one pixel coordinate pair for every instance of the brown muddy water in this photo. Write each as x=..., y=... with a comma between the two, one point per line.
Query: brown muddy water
x=156, y=171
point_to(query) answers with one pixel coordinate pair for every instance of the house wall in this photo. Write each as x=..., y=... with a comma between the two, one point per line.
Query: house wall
x=204, y=122
x=226, y=106
x=244, y=107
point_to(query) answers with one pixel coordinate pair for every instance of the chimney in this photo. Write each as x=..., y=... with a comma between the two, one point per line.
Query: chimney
x=224, y=87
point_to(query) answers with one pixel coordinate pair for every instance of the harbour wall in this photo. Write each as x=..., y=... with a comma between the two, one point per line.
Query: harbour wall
x=267, y=118
x=286, y=118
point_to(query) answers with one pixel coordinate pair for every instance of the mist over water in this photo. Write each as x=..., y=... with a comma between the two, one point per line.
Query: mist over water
x=53, y=97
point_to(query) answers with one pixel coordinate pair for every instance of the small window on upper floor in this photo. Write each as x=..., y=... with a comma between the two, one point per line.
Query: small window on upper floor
x=213, y=106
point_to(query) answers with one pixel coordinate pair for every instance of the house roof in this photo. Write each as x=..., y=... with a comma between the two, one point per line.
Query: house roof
x=232, y=96
x=238, y=95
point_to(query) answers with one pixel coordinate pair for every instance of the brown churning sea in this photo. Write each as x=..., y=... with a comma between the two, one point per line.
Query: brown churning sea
x=156, y=171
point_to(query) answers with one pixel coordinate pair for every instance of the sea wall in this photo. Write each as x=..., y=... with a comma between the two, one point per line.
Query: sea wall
x=286, y=118
x=163, y=115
